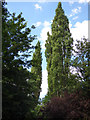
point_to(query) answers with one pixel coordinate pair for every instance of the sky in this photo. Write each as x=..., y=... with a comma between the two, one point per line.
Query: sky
x=41, y=15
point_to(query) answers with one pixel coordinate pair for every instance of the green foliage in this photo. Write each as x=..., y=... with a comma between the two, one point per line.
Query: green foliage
x=82, y=63
x=18, y=85
x=36, y=69
x=58, y=52
x=38, y=111
x=46, y=99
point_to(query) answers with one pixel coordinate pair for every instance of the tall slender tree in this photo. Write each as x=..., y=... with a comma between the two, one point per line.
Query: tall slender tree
x=48, y=54
x=37, y=69
x=60, y=44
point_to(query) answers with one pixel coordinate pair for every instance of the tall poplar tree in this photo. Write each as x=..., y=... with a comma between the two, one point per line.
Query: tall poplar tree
x=58, y=48
x=37, y=69
x=48, y=54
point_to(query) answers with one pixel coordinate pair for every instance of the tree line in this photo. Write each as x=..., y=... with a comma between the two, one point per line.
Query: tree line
x=21, y=87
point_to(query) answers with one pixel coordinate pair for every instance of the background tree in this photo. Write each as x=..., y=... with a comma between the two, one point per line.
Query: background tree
x=59, y=47
x=48, y=54
x=18, y=85
x=81, y=62
x=36, y=69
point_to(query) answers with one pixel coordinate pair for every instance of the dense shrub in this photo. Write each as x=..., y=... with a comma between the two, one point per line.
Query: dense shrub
x=70, y=107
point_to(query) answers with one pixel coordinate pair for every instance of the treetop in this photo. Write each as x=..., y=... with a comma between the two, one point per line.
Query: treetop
x=59, y=4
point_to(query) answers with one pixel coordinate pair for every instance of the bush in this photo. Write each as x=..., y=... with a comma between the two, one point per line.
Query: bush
x=70, y=107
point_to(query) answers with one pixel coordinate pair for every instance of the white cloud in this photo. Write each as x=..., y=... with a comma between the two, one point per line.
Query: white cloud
x=46, y=24
x=70, y=25
x=51, y=21
x=43, y=34
x=38, y=24
x=83, y=1
x=75, y=18
x=44, y=85
x=79, y=31
x=37, y=6
x=75, y=11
